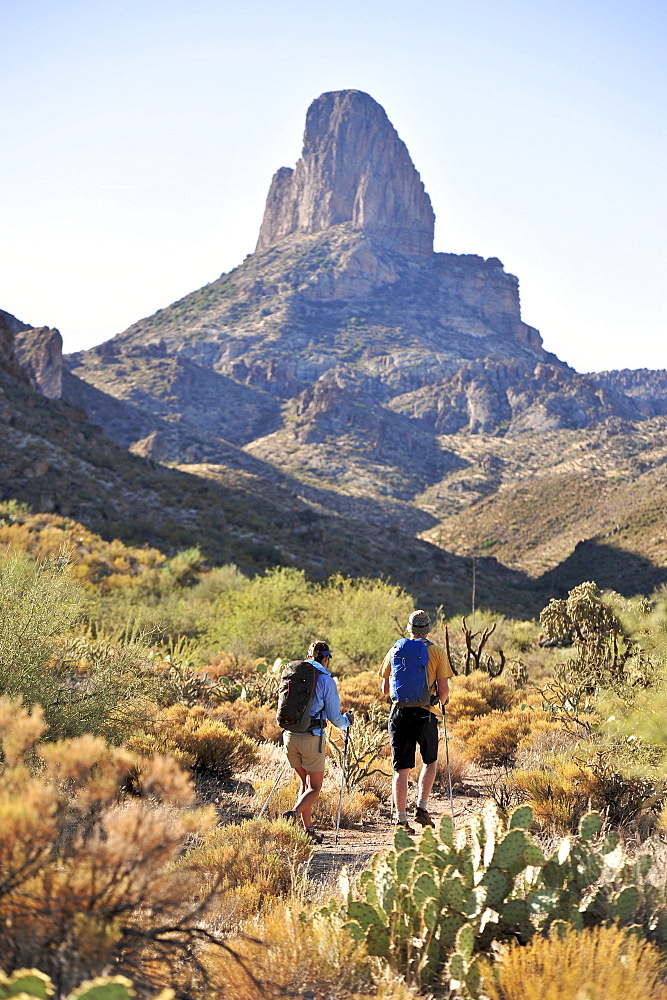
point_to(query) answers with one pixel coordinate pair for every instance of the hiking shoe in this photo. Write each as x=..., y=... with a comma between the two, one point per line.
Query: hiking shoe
x=291, y=816
x=423, y=817
x=404, y=825
x=313, y=835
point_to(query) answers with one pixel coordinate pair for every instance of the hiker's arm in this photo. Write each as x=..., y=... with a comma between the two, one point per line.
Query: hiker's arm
x=443, y=690
x=384, y=672
x=332, y=705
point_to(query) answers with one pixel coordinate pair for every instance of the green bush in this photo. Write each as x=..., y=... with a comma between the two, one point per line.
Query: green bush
x=268, y=617
x=361, y=619
x=84, y=685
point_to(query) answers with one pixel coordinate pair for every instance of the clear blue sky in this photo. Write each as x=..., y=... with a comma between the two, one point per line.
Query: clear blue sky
x=140, y=137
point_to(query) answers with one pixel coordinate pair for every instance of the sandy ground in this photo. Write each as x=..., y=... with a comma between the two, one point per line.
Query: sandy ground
x=357, y=845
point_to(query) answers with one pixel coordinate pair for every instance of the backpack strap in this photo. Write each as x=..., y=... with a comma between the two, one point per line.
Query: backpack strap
x=317, y=720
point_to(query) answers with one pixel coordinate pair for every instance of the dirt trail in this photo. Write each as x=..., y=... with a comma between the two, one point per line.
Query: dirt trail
x=357, y=845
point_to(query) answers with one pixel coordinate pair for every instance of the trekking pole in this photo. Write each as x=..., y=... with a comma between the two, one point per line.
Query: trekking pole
x=342, y=781
x=275, y=785
x=449, y=770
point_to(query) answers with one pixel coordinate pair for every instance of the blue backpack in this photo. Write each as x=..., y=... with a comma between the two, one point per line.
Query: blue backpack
x=408, y=677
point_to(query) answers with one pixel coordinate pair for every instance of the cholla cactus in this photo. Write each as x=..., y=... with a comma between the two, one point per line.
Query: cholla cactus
x=433, y=907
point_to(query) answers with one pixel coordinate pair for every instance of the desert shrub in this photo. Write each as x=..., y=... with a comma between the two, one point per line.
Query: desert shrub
x=82, y=685
x=195, y=739
x=89, y=879
x=601, y=963
x=496, y=738
x=562, y=788
x=555, y=792
x=37, y=603
x=288, y=952
x=609, y=636
x=278, y=614
x=362, y=692
x=92, y=561
x=478, y=694
x=268, y=617
x=226, y=664
x=493, y=740
x=256, y=721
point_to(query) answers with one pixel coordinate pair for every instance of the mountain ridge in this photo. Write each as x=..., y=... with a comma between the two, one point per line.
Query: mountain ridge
x=349, y=364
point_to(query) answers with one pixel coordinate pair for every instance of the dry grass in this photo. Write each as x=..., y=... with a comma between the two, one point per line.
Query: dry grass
x=604, y=963
x=458, y=763
x=494, y=740
x=478, y=694
x=359, y=805
x=289, y=953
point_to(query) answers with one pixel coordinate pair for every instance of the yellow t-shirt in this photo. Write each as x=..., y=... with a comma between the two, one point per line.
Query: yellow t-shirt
x=438, y=667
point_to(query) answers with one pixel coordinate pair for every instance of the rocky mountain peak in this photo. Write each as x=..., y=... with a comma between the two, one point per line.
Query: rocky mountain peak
x=35, y=355
x=353, y=168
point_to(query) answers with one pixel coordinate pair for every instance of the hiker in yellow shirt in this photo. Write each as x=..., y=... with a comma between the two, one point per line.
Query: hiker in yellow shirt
x=412, y=724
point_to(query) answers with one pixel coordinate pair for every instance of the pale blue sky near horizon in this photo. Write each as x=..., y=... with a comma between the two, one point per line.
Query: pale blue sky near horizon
x=141, y=137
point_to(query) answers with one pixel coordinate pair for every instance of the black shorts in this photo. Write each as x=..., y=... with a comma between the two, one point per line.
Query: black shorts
x=407, y=728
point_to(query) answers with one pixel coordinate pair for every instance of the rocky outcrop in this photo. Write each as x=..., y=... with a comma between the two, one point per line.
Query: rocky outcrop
x=9, y=327
x=496, y=396
x=344, y=346
x=647, y=388
x=40, y=354
x=353, y=168
x=34, y=355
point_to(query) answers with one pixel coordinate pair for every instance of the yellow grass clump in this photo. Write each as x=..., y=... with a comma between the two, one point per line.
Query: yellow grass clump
x=258, y=860
x=602, y=963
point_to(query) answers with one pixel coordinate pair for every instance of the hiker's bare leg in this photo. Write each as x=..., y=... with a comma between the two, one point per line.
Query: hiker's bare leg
x=303, y=776
x=308, y=798
x=426, y=779
x=400, y=787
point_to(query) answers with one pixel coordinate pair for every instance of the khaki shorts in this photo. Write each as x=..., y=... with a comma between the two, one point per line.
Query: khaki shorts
x=303, y=750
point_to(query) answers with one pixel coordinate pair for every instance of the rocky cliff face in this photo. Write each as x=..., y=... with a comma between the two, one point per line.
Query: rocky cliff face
x=40, y=354
x=33, y=354
x=9, y=326
x=494, y=395
x=353, y=168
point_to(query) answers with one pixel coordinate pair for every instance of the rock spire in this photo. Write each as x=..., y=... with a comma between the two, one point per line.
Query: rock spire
x=353, y=168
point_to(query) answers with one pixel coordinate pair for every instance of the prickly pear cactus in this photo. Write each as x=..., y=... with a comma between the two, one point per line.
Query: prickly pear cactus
x=104, y=988
x=30, y=982
x=434, y=906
